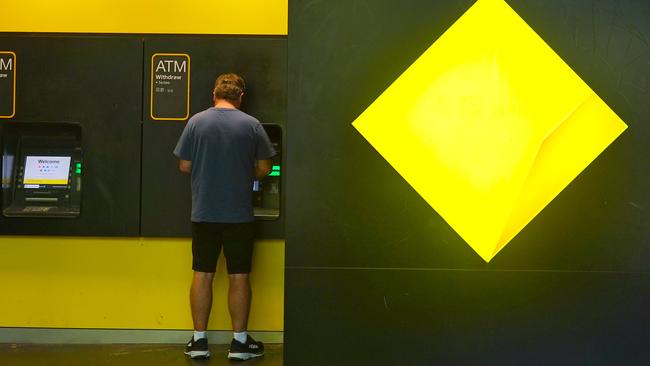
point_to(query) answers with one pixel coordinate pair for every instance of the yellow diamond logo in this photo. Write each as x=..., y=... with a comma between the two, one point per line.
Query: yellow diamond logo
x=489, y=125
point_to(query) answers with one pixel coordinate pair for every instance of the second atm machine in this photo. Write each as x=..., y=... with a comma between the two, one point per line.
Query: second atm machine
x=41, y=170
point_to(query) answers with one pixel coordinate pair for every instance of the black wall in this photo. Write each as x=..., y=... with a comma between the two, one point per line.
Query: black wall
x=131, y=183
x=374, y=272
x=94, y=81
x=166, y=202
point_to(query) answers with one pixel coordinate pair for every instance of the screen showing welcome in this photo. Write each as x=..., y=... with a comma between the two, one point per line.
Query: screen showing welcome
x=47, y=170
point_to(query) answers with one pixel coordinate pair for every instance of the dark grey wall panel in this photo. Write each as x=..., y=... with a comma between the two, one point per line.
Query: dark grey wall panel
x=342, y=62
x=166, y=199
x=166, y=193
x=102, y=82
x=406, y=317
x=95, y=81
x=584, y=258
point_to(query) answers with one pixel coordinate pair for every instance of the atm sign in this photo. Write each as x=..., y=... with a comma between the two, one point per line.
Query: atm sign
x=7, y=84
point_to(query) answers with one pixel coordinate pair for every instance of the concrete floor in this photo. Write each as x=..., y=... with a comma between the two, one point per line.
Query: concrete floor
x=120, y=354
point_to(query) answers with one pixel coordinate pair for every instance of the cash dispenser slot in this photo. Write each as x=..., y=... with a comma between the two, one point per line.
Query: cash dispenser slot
x=41, y=170
x=266, y=192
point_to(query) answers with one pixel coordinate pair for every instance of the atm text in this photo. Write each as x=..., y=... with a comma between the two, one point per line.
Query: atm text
x=171, y=66
x=6, y=64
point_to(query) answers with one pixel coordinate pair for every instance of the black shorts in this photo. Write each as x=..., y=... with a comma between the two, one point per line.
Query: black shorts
x=237, y=241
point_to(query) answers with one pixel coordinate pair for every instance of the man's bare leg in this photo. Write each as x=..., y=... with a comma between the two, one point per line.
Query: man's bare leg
x=201, y=299
x=239, y=301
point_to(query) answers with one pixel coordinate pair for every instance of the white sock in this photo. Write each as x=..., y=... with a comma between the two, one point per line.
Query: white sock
x=241, y=337
x=199, y=335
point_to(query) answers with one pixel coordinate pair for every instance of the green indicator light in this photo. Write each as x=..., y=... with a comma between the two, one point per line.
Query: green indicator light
x=274, y=174
x=78, y=171
x=276, y=168
x=78, y=165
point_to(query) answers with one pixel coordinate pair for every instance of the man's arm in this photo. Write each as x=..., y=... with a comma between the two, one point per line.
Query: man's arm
x=263, y=168
x=185, y=166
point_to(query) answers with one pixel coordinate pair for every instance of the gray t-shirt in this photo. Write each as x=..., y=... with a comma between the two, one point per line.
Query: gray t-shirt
x=223, y=145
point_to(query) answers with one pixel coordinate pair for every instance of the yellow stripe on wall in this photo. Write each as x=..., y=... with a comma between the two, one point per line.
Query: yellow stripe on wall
x=123, y=283
x=268, y=17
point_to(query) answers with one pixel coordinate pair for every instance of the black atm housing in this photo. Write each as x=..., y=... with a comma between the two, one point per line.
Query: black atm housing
x=56, y=147
x=266, y=193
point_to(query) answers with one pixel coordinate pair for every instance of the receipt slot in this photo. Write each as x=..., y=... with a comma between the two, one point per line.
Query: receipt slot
x=41, y=170
x=266, y=192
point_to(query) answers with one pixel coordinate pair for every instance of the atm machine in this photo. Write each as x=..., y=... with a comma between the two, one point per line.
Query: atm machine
x=41, y=170
x=266, y=192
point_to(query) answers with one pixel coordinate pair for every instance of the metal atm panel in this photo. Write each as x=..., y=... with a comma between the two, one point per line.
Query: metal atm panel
x=266, y=192
x=41, y=170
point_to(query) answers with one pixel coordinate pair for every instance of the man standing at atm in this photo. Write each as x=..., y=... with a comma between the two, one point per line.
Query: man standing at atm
x=224, y=150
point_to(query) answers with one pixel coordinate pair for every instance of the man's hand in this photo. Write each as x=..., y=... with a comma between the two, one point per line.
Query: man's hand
x=185, y=166
x=263, y=168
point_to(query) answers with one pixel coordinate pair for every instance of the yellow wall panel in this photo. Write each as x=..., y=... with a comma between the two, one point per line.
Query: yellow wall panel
x=123, y=283
x=145, y=16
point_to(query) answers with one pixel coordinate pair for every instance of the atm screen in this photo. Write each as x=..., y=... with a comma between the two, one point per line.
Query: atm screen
x=46, y=171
